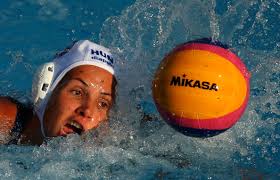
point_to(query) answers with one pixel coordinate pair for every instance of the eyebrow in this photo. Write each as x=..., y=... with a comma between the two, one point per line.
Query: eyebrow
x=106, y=94
x=86, y=84
x=83, y=82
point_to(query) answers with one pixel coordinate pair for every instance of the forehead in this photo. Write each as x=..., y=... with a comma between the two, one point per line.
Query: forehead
x=90, y=74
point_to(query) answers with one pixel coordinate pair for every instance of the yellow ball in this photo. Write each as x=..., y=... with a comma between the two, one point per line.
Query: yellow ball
x=201, y=87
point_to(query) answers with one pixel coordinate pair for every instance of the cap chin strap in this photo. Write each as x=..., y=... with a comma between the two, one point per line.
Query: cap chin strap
x=42, y=130
x=40, y=114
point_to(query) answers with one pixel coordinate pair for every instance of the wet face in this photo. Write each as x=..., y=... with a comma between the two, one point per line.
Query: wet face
x=80, y=102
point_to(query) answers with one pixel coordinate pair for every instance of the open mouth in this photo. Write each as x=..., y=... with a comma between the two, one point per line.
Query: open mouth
x=75, y=127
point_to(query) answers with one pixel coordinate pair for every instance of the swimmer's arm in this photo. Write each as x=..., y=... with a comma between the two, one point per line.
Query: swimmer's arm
x=8, y=113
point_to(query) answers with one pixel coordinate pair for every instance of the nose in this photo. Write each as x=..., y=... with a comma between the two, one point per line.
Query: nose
x=89, y=115
x=86, y=110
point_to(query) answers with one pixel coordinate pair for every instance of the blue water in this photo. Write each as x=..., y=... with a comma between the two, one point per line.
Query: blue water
x=141, y=32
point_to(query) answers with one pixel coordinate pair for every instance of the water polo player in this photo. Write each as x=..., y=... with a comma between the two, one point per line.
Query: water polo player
x=72, y=94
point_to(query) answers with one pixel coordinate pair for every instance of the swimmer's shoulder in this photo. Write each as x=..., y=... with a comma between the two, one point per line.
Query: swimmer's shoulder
x=13, y=117
x=8, y=114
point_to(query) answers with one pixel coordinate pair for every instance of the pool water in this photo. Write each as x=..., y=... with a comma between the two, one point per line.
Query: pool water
x=137, y=143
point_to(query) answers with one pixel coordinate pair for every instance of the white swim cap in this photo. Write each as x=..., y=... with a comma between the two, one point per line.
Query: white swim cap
x=49, y=74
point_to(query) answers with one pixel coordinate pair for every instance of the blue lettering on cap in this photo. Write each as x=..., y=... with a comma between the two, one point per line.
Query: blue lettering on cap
x=94, y=52
x=104, y=55
x=102, y=60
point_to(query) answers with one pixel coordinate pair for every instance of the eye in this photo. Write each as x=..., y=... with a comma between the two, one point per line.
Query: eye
x=104, y=105
x=76, y=92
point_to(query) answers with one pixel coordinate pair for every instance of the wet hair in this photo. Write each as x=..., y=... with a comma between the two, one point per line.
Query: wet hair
x=64, y=51
x=114, y=89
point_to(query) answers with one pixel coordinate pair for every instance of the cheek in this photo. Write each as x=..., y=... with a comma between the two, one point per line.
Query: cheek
x=63, y=103
x=103, y=116
x=98, y=118
x=64, y=109
x=57, y=110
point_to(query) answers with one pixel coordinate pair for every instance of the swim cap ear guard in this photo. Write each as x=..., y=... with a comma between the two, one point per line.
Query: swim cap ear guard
x=42, y=82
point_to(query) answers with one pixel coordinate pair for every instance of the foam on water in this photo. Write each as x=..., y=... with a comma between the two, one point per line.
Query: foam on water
x=137, y=143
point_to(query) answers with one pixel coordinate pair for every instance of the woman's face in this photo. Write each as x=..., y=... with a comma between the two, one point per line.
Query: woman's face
x=80, y=102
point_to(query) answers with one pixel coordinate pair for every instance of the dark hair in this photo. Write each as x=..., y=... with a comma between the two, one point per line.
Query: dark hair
x=114, y=89
x=64, y=51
